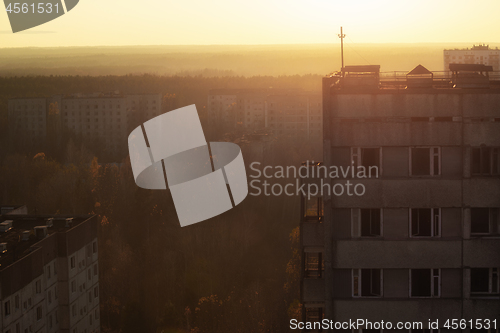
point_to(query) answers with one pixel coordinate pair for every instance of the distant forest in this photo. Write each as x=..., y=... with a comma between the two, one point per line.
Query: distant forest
x=211, y=61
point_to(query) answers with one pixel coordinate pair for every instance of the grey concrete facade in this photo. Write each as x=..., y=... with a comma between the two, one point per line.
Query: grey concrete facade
x=49, y=282
x=432, y=249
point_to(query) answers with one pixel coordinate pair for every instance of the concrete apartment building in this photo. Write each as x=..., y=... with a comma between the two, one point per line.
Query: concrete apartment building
x=107, y=117
x=477, y=54
x=290, y=113
x=221, y=107
x=28, y=117
x=423, y=242
x=49, y=275
x=295, y=115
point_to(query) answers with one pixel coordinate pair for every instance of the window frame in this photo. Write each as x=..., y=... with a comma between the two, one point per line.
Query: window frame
x=319, y=209
x=360, y=283
x=433, y=226
x=357, y=159
x=356, y=218
x=38, y=286
x=432, y=154
x=6, y=308
x=492, y=211
x=494, y=151
x=313, y=270
x=39, y=313
x=432, y=283
x=491, y=272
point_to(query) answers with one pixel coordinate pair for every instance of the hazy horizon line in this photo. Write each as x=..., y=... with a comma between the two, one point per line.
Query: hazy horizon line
x=248, y=45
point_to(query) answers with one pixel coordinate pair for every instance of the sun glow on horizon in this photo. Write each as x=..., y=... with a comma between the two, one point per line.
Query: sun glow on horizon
x=199, y=22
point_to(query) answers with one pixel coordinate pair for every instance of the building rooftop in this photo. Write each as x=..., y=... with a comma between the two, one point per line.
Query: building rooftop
x=19, y=234
x=419, y=70
x=479, y=47
x=369, y=77
x=13, y=209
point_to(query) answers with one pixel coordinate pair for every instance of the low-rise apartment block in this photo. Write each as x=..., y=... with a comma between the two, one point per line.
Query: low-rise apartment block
x=49, y=274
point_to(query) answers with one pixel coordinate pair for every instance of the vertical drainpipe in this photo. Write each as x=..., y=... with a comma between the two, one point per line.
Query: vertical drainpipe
x=329, y=102
x=461, y=106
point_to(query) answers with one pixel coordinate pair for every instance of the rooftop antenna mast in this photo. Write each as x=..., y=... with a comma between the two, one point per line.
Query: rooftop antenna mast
x=342, y=36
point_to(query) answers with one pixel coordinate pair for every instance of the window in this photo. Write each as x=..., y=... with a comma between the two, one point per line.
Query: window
x=18, y=328
x=96, y=292
x=90, y=296
x=38, y=286
x=425, y=282
x=368, y=158
x=485, y=161
x=73, y=262
x=95, y=269
x=16, y=302
x=313, y=208
x=73, y=310
x=50, y=321
x=425, y=161
x=425, y=222
x=314, y=314
x=55, y=268
x=370, y=222
x=39, y=313
x=484, y=281
x=55, y=292
x=484, y=221
x=7, y=308
x=48, y=272
x=314, y=264
x=366, y=282
x=89, y=274
x=73, y=286
x=49, y=296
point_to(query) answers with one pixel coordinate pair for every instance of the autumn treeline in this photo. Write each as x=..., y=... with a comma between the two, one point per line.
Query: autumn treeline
x=228, y=274
x=237, y=272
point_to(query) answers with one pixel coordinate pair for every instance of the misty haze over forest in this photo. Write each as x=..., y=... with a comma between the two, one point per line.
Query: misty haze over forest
x=220, y=60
